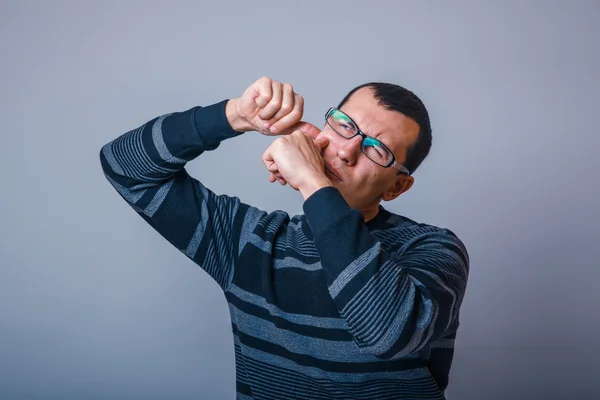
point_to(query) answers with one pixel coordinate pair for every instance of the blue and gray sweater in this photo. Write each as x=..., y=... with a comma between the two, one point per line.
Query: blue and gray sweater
x=322, y=305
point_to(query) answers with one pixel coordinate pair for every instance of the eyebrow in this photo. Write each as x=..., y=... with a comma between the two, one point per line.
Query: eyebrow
x=376, y=136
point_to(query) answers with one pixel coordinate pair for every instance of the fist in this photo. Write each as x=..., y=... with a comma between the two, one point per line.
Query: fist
x=270, y=107
x=296, y=160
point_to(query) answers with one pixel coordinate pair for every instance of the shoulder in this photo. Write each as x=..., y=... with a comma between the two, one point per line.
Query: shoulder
x=403, y=235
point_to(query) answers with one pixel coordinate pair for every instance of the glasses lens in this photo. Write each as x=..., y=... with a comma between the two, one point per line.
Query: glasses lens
x=376, y=151
x=342, y=124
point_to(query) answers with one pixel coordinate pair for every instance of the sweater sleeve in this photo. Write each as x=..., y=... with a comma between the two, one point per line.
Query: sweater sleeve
x=395, y=302
x=146, y=167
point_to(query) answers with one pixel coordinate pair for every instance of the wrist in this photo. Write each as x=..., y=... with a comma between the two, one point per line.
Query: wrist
x=233, y=118
x=314, y=184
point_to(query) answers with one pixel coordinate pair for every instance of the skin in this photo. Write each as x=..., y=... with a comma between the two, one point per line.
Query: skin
x=308, y=158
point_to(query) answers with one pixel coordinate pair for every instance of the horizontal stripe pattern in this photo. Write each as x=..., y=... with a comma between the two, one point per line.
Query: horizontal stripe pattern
x=297, y=343
x=281, y=379
x=351, y=313
x=253, y=350
x=301, y=319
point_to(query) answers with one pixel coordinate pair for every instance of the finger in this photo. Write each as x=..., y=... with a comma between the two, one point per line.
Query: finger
x=275, y=104
x=279, y=178
x=310, y=130
x=321, y=142
x=305, y=127
x=263, y=92
x=267, y=160
x=270, y=165
x=288, y=102
x=291, y=118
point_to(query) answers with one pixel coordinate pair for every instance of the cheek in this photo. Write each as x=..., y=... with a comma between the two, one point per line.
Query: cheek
x=366, y=176
x=375, y=181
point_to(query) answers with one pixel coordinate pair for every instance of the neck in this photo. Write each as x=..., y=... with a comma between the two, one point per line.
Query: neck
x=370, y=212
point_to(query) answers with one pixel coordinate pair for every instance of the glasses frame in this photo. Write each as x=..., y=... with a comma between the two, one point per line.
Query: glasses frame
x=392, y=164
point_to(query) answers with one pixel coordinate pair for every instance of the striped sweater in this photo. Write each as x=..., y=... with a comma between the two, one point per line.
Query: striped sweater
x=322, y=305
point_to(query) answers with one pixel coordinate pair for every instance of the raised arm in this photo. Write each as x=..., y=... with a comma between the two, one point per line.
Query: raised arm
x=146, y=166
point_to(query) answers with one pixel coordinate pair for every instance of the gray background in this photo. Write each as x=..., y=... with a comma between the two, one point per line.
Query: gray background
x=94, y=304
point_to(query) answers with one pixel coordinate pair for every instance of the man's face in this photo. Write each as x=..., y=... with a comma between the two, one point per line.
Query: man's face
x=362, y=182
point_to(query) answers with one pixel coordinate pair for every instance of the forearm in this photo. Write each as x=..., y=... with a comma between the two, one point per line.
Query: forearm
x=149, y=155
x=146, y=167
x=395, y=303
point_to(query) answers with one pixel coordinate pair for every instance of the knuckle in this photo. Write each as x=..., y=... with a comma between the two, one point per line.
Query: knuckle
x=287, y=108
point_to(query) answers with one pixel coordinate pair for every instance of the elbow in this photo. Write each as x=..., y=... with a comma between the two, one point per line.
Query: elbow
x=393, y=346
x=390, y=350
x=408, y=334
x=408, y=345
x=103, y=161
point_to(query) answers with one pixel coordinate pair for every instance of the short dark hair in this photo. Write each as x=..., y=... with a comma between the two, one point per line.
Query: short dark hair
x=397, y=98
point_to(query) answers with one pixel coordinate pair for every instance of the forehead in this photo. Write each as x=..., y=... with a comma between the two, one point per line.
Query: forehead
x=394, y=129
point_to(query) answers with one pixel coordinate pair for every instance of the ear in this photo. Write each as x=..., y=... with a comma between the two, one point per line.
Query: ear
x=402, y=184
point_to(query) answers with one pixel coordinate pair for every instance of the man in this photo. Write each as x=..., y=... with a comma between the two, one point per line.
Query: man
x=348, y=301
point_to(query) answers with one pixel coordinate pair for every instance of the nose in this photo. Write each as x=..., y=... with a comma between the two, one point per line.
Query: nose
x=349, y=149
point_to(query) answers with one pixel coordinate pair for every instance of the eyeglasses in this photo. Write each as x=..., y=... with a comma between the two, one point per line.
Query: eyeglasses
x=375, y=150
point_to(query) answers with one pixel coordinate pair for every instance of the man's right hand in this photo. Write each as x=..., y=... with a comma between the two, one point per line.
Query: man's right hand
x=270, y=107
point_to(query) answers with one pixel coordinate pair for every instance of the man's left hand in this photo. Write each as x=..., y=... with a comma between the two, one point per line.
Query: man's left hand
x=296, y=159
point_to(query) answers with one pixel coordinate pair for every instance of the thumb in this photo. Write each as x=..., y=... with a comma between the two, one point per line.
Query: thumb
x=305, y=127
x=321, y=142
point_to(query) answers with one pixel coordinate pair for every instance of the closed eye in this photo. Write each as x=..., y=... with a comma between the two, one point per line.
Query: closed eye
x=347, y=127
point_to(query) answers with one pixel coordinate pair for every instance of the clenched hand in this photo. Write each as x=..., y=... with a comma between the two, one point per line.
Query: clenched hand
x=296, y=159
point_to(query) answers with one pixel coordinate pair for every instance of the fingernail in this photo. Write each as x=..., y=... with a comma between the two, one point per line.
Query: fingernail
x=266, y=126
x=273, y=129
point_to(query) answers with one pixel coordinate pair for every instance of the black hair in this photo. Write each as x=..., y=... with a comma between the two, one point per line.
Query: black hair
x=397, y=98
